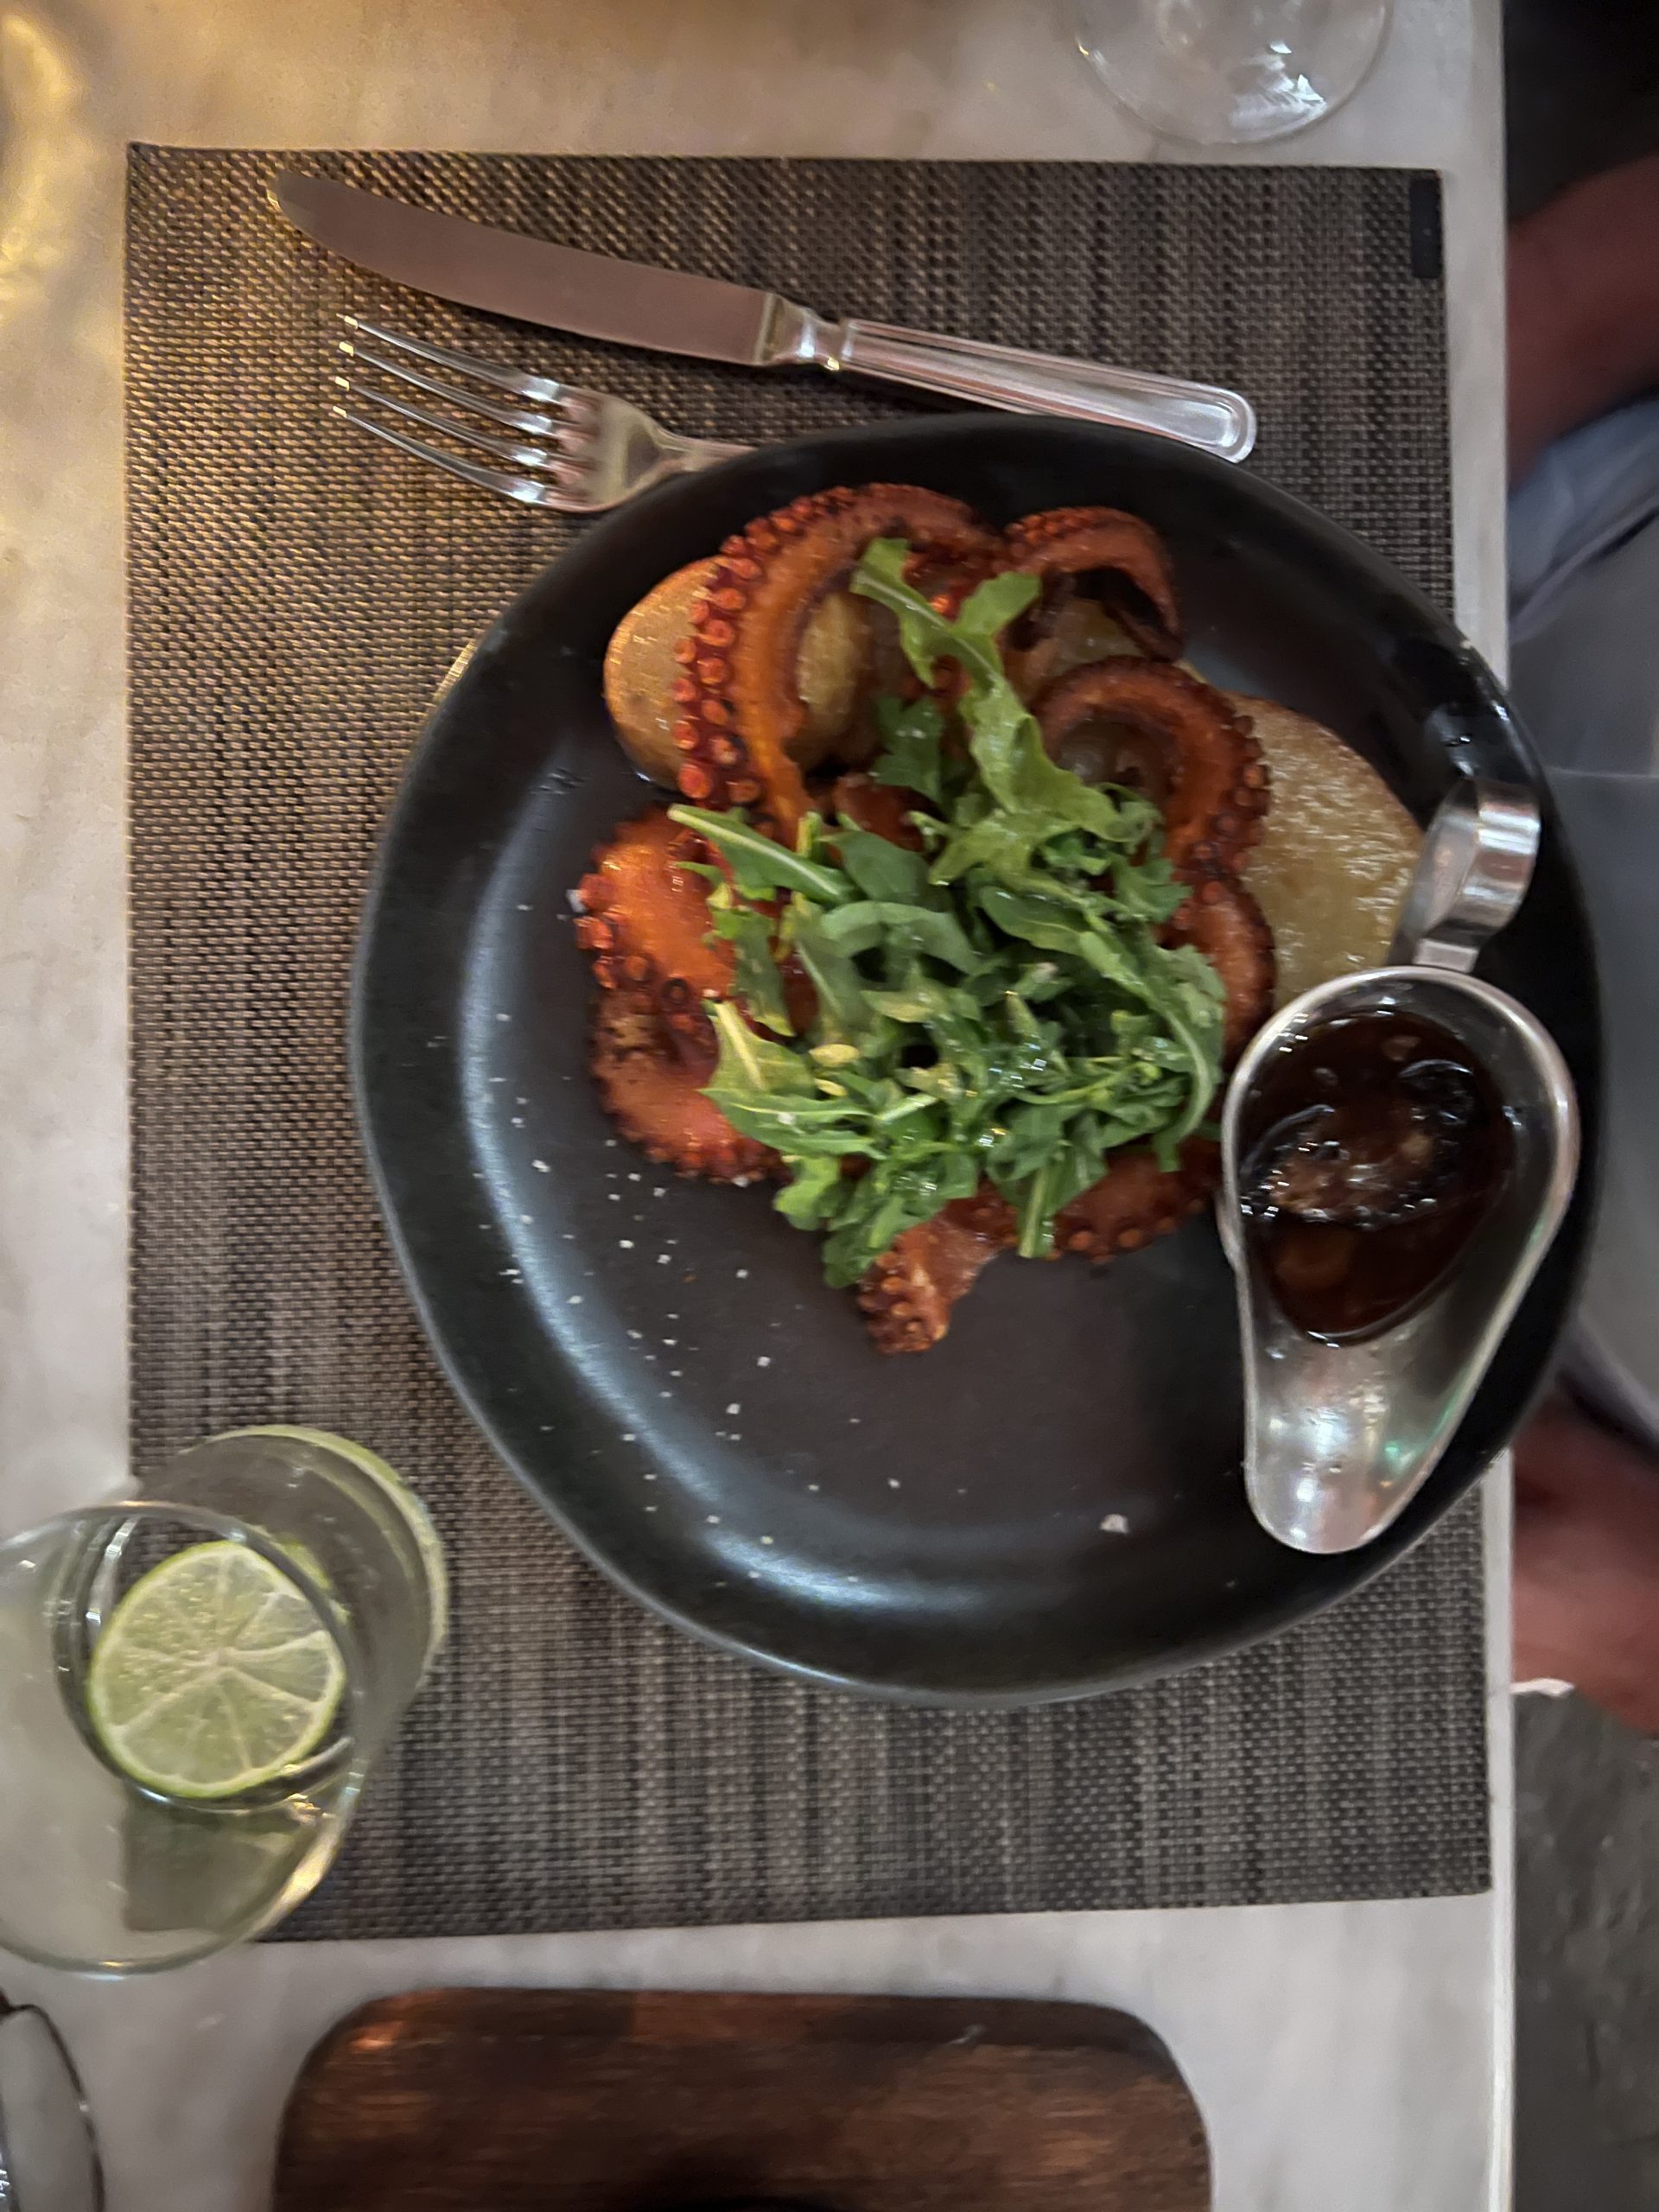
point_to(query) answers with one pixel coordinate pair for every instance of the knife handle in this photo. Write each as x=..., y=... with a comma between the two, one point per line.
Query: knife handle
x=1220, y=422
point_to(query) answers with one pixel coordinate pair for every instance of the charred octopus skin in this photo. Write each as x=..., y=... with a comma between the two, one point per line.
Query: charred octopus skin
x=738, y=690
x=1135, y=1201
x=1111, y=556
x=650, y=1080
x=1158, y=730
x=645, y=920
x=908, y=1296
x=1221, y=920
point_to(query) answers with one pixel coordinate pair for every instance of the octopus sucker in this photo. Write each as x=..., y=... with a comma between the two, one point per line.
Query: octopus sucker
x=1135, y=1201
x=1171, y=736
x=645, y=920
x=845, y=653
x=739, y=696
x=907, y=1296
x=1224, y=922
x=651, y=1083
x=1116, y=556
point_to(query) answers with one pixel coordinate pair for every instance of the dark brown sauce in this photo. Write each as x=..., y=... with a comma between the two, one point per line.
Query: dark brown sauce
x=1373, y=1149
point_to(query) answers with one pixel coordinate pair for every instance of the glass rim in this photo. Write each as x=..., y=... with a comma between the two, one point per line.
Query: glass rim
x=364, y=1461
x=228, y=1528
x=10, y=2196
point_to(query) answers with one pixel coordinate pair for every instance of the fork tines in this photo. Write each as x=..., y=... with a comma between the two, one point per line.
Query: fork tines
x=551, y=435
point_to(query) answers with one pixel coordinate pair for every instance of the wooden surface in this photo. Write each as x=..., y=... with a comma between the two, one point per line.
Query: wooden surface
x=591, y=2101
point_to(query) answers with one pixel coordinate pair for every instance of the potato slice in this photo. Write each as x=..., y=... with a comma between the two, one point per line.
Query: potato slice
x=641, y=672
x=1082, y=632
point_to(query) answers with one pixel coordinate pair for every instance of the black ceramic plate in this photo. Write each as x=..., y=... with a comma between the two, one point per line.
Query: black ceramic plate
x=1048, y=1504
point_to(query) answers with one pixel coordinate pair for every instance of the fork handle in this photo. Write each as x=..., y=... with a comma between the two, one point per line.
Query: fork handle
x=1220, y=422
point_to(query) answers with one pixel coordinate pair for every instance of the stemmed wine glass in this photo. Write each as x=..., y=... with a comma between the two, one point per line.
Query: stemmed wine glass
x=1230, y=72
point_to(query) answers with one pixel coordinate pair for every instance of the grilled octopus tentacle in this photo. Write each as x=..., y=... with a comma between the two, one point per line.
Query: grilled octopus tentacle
x=1227, y=926
x=645, y=920
x=907, y=1296
x=1165, y=732
x=739, y=692
x=1123, y=558
x=645, y=914
x=1135, y=1201
x=650, y=1083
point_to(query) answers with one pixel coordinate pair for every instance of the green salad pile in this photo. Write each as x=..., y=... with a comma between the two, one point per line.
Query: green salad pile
x=995, y=1005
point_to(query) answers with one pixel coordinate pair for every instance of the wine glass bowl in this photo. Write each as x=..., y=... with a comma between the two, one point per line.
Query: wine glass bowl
x=1222, y=72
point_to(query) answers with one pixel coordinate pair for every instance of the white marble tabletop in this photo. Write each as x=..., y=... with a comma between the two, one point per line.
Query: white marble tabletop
x=1344, y=2056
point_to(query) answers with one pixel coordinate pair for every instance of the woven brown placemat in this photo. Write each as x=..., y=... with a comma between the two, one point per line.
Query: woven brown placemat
x=296, y=593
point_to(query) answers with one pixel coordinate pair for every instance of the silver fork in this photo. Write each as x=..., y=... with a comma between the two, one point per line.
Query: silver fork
x=589, y=450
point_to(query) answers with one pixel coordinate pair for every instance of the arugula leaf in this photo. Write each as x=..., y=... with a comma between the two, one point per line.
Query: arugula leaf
x=755, y=980
x=880, y=868
x=1005, y=740
x=881, y=576
x=1149, y=891
x=806, y=1199
x=916, y=1000
x=997, y=1005
x=752, y=1064
x=870, y=922
x=928, y=636
x=990, y=607
x=1007, y=745
x=760, y=865
x=1069, y=1165
x=895, y=1195
x=843, y=1010
x=1042, y=922
x=914, y=737
x=796, y=1131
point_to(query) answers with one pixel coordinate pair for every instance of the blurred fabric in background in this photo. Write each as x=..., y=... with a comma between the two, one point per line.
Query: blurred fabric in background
x=1583, y=84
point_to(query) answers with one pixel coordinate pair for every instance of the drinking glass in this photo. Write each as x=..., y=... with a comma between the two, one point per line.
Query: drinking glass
x=104, y=1873
x=1230, y=72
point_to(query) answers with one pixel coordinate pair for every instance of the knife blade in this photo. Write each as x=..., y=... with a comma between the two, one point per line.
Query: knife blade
x=672, y=311
x=505, y=273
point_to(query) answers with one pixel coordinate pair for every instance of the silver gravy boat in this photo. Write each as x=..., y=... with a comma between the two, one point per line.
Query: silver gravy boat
x=1339, y=1436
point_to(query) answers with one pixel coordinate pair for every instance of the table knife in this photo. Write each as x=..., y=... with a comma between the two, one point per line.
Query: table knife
x=668, y=311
